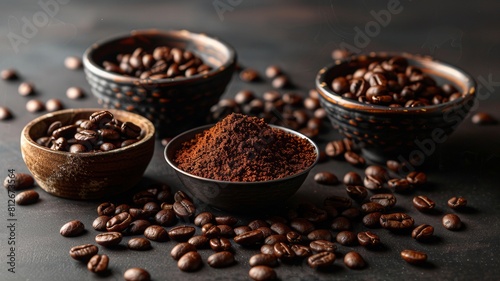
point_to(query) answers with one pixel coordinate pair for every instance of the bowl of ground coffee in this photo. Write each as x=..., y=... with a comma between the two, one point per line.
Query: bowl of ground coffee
x=87, y=153
x=171, y=77
x=241, y=163
x=395, y=106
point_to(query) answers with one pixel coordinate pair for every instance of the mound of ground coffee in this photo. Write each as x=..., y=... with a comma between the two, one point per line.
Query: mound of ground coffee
x=245, y=149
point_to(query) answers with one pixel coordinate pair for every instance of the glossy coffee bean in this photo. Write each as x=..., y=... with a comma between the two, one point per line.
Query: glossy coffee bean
x=302, y=225
x=301, y=251
x=99, y=223
x=282, y=228
x=109, y=239
x=368, y=239
x=136, y=227
x=396, y=221
x=483, y=118
x=376, y=171
x=354, y=260
x=249, y=238
x=262, y=273
x=203, y=218
x=416, y=178
x=199, y=241
x=249, y=75
x=346, y=238
x=275, y=238
x=156, y=233
x=225, y=230
x=422, y=232
x=372, y=220
x=283, y=251
x=351, y=213
x=190, y=261
x=184, y=208
x=263, y=259
x=220, y=244
x=9, y=74
x=335, y=148
x=320, y=234
x=373, y=182
x=83, y=252
x=139, y=244
x=221, y=259
x=323, y=246
x=181, y=249
x=352, y=179
x=136, y=274
x=72, y=228
x=423, y=203
x=385, y=199
x=226, y=220
x=356, y=192
x=326, y=178
x=322, y=259
x=341, y=223
x=27, y=197
x=98, y=264
x=457, y=203
x=413, y=257
x=452, y=222
x=106, y=209
x=18, y=181
x=166, y=217
x=372, y=207
x=399, y=185
x=181, y=233
x=119, y=222
x=354, y=159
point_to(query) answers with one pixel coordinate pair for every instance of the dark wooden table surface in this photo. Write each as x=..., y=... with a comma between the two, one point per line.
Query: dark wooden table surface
x=299, y=36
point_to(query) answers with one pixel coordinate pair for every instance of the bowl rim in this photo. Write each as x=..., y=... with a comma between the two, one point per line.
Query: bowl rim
x=93, y=67
x=25, y=135
x=329, y=95
x=205, y=127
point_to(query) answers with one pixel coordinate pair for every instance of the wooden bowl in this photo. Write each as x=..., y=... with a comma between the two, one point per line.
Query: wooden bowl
x=86, y=175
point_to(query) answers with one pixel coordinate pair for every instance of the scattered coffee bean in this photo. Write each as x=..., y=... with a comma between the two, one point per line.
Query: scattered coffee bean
x=413, y=257
x=119, y=222
x=354, y=159
x=26, y=89
x=452, y=222
x=354, y=260
x=139, y=244
x=225, y=230
x=322, y=259
x=373, y=182
x=108, y=239
x=280, y=81
x=73, y=62
x=346, y=238
x=184, y=208
x=385, y=199
x=9, y=74
x=220, y=244
x=302, y=225
x=249, y=75
x=399, y=185
x=250, y=238
x=457, y=202
x=98, y=264
x=422, y=232
x=156, y=233
x=263, y=259
x=34, y=106
x=136, y=274
x=27, y=197
x=322, y=246
x=275, y=238
x=423, y=203
x=483, y=118
x=416, y=178
x=227, y=220
x=326, y=178
x=18, y=181
x=341, y=223
x=377, y=171
x=283, y=251
x=136, y=227
x=372, y=220
x=267, y=249
x=199, y=241
x=181, y=233
x=181, y=249
x=352, y=178
x=356, y=192
x=166, y=217
x=262, y=273
x=320, y=234
x=5, y=113
x=75, y=93
x=368, y=239
x=396, y=221
x=106, y=209
x=335, y=148
x=190, y=261
x=100, y=222
x=221, y=259
x=372, y=207
x=338, y=54
x=72, y=228
x=53, y=105
x=272, y=71
x=83, y=252
x=393, y=165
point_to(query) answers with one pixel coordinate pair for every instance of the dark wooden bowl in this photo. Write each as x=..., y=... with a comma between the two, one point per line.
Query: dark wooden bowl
x=240, y=197
x=174, y=105
x=86, y=175
x=395, y=133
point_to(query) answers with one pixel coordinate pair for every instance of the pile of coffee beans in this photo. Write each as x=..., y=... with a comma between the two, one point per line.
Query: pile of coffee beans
x=394, y=83
x=163, y=62
x=101, y=132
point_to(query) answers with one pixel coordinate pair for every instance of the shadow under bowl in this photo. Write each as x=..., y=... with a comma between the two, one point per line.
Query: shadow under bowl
x=242, y=197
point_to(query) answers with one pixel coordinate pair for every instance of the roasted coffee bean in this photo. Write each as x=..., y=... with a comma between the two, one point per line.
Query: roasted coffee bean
x=83, y=252
x=262, y=273
x=184, y=209
x=60, y=144
x=376, y=171
x=396, y=221
x=423, y=203
x=221, y=259
x=27, y=197
x=165, y=217
x=26, y=89
x=65, y=131
x=368, y=239
x=72, y=228
x=338, y=202
x=151, y=208
x=354, y=260
x=18, y=181
x=156, y=233
x=393, y=165
x=272, y=71
x=225, y=230
x=241, y=229
x=137, y=227
x=335, y=148
x=250, y=238
x=302, y=225
x=282, y=228
x=413, y=257
x=34, y=105
x=457, y=202
x=267, y=249
x=275, y=238
x=9, y=74
x=44, y=141
x=119, y=222
x=100, y=222
x=301, y=251
x=5, y=113
x=373, y=182
x=326, y=178
x=294, y=237
x=75, y=93
x=283, y=251
x=351, y=213
x=244, y=97
x=372, y=220
x=98, y=264
x=452, y=222
x=416, y=178
x=211, y=231
x=263, y=259
x=138, y=214
x=181, y=249
x=249, y=75
x=136, y=274
x=101, y=117
x=385, y=199
x=341, y=223
x=78, y=148
x=53, y=105
x=422, y=232
x=346, y=238
x=181, y=233
x=280, y=82
x=199, y=241
x=128, y=142
x=483, y=118
x=322, y=259
x=106, y=209
x=354, y=159
x=257, y=223
x=372, y=207
x=399, y=185
x=356, y=192
x=73, y=63
x=139, y=244
x=220, y=244
x=227, y=220
x=108, y=239
x=352, y=178
x=319, y=234
x=340, y=85
x=322, y=246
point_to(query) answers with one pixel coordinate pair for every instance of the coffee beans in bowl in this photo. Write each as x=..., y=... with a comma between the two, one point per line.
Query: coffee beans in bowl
x=241, y=161
x=87, y=153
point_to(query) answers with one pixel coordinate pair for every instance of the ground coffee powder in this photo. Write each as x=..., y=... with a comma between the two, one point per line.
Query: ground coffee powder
x=245, y=149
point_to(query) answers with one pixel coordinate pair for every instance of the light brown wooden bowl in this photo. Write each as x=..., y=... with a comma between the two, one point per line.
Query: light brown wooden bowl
x=86, y=175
